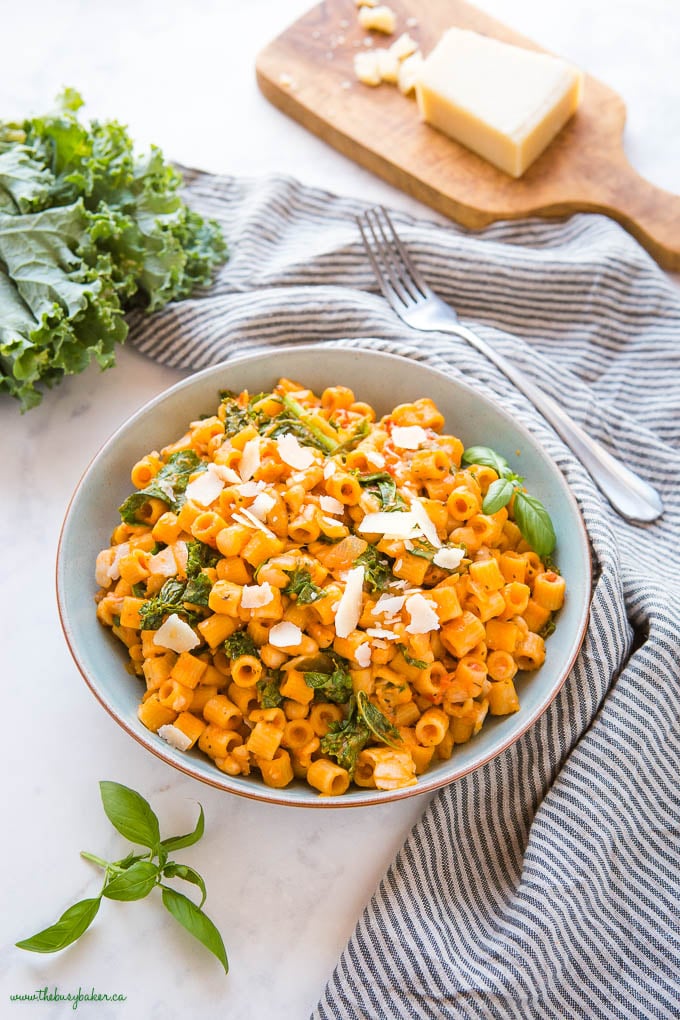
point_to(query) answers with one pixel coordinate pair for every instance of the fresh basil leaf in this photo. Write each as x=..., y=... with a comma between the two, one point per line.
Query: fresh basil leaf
x=133, y=884
x=486, y=457
x=173, y=843
x=130, y=814
x=175, y=870
x=498, y=495
x=534, y=523
x=196, y=923
x=70, y=926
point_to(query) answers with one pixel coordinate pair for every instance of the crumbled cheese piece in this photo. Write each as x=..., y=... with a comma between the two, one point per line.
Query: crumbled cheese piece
x=423, y=615
x=425, y=523
x=449, y=559
x=291, y=453
x=205, y=489
x=331, y=505
x=397, y=524
x=375, y=459
x=176, y=634
x=249, y=519
x=248, y=489
x=174, y=736
x=378, y=632
x=400, y=585
x=261, y=505
x=163, y=563
x=367, y=68
x=332, y=522
x=256, y=595
x=107, y=567
x=349, y=608
x=250, y=459
x=388, y=65
x=408, y=437
x=377, y=19
x=403, y=47
x=363, y=655
x=388, y=604
x=409, y=69
x=285, y=635
x=227, y=474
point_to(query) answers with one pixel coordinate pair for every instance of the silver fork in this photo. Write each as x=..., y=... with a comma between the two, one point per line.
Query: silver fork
x=417, y=304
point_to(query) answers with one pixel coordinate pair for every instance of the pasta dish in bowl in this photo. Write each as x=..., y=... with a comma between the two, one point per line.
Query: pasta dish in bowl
x=314, y=596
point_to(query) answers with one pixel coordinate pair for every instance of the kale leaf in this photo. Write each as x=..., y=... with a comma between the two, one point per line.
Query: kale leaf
x=377, y=569
x=335, y=686
x=240, y=643
x=301, y=585
x=268, y=690
x=168, y=485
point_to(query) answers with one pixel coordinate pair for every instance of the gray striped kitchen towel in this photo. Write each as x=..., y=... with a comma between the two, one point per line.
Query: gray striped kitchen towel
x=545, y=884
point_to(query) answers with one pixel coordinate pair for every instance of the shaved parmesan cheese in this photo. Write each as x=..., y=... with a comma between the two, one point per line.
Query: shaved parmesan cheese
x=349, y=608
x=398, y=524
x=378, y=632
x=408, y=437
x=375, y=459
x=250, y=459
x=118, y=552
x=291, y=453
x=330, y=467
x=285, y=635
x=331, y=505
x=256, y=595
x=251, y=521
x=227, y=474
x=425, y=523
x=423, y=615
x=176, y=634
x=332, y=522
x=163, y=563
x=261, y=505
x=363, y=655
x=388, y=604
x=174, y=736
x=205, y=489
x=250, y=489
x=449, y=559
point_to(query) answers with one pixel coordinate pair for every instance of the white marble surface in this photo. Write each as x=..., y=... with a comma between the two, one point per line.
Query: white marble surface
x=285, y=886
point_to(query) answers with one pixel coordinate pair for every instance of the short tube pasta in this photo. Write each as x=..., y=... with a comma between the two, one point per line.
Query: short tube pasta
x=322, y=598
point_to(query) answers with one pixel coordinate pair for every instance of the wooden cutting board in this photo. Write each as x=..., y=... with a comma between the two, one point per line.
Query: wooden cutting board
x=308, y=73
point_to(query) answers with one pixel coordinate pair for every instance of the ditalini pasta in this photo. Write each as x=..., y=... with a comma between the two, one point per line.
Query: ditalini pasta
x=310, y=594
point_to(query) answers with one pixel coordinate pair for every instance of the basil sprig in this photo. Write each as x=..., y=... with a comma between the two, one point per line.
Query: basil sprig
x=530, y=516
x=136, y=875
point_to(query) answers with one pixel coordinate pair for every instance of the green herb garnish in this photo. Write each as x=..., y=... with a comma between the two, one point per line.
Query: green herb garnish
x=135, y=876
x=240, y=643
x=268, y=690
x=199, y=556
x=377, y=569
x=171, y=599
x=383, y=485
x=530, y=516
x=169, y=485
x=335, y=686
x=301, y=585
x=347, y=738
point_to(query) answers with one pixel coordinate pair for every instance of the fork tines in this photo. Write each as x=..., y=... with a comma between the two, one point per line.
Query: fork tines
x=398, y=278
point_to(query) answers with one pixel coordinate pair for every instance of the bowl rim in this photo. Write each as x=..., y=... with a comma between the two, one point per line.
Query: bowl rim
x=270, y=795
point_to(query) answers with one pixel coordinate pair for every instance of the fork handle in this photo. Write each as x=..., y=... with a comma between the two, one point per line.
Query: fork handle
x=632, y=497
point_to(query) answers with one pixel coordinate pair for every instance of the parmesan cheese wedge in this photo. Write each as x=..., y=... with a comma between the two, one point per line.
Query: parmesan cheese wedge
x=349, y=608
x=504, y=102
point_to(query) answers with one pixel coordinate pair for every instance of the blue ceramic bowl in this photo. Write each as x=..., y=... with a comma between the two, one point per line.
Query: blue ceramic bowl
x=383, y=381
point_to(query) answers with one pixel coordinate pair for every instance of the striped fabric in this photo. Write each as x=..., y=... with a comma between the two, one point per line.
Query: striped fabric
x=545, y=884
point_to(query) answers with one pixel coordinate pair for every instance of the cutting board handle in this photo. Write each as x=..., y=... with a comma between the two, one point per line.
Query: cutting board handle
x=650, y=214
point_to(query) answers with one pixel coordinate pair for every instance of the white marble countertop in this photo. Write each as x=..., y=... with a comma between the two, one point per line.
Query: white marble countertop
x=285, y=885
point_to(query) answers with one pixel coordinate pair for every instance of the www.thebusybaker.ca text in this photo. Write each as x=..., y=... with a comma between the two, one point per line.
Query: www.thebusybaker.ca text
x=75, y=998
